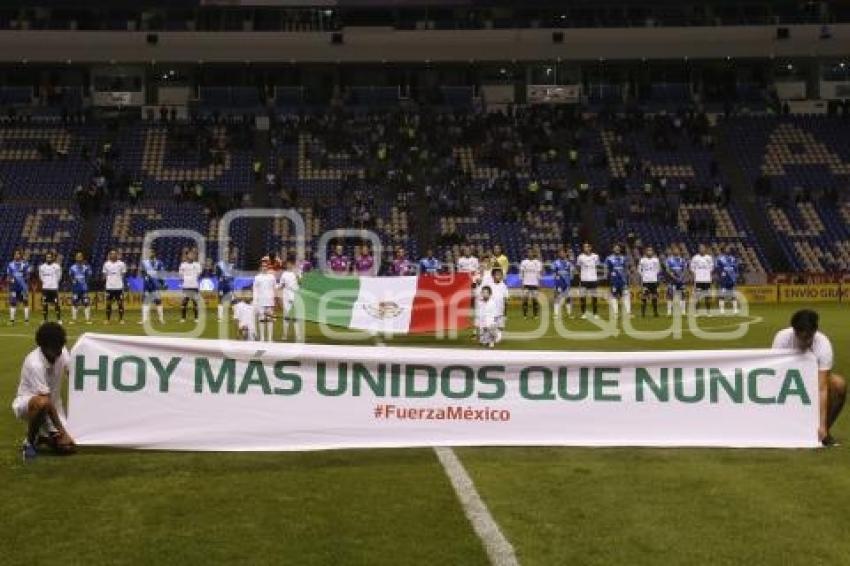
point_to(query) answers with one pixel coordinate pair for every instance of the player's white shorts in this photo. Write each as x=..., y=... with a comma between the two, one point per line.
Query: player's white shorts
x=20, y=406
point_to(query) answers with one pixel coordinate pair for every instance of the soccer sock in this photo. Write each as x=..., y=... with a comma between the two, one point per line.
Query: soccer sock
x=220, y=310
x=73, y=313
x=299, y=336
x=557, y=306
x=735, y=306
x=535, y=307
x=44, y=310
x=87, y=312
x=261, y=328
x=146, y=309
x=708, y=304
x=569, y=307
x=26, y=314
x=655, y=306
x=595, y=305
x=121, y=310
x=161, y=313
x=108, y=310
x=12, y=311
x=643, y=306
x=58, y=310
x=627, y=303
x=583, y=304
x=285, y=328
x=269, y=330
x=614, y=306
x=682, y=304
x=195, y=308
x=669, y=307
x=722, y=304
x=525, y=306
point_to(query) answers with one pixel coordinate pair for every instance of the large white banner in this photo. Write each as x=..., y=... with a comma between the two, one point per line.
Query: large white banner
x=167, y=393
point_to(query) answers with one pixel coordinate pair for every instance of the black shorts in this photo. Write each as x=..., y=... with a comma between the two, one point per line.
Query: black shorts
x=590, y=285
x=50, y=296
x=702, y=286
x=530, y=288
x=650, y=288
x=114, y=295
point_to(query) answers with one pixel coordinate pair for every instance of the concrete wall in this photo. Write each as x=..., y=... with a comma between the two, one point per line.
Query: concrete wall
x=385, y=44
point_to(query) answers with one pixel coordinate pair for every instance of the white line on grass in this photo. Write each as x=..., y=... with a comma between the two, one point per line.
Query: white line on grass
x=498, y=548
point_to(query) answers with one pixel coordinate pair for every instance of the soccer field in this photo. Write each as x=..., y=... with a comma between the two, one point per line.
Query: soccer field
x=554, y=505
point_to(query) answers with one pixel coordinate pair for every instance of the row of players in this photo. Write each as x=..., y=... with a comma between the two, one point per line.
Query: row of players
x=676, y=269
x=114, y=273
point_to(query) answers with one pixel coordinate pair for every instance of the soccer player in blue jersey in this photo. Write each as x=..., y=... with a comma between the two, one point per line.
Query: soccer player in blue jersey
x=563, y=269
x=224, y=272
x=81, y=274
x=429, y=265
x=727, y=273
x=18, y=272
x=675, y=268
x=618, y=276
x=152, y=283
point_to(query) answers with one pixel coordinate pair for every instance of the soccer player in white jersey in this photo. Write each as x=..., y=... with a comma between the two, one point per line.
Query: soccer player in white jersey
x=649, y=267
x=39, y=397
x=488, y=318
x=190, y=274
x=588, y=274
x=114, y=271
x=265, y=286
x=289, y=283
x=530, y=270
x=702, y=267
x=467, y=263
x=246, y=319
x=50, y=274
x=803, y=335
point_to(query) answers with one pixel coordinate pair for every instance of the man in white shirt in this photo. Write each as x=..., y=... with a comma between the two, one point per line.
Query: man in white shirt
x=38, y=400
x=588, y=266
x=803, y=335
x=246, y=320
x=467, y=263
x=702, y=267
x=289, y=283
x=265, y=285
x=114, y=271
x=530, y=270
x=50, y=274
x=649, y=267
x=190, y=274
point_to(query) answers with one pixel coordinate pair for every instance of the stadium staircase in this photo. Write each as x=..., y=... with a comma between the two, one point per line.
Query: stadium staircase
x=743, y=194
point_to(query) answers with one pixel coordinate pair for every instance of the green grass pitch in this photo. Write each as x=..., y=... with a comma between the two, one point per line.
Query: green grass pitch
x=373, y=507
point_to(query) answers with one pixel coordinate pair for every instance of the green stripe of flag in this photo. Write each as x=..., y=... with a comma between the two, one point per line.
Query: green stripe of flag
x=329, y=299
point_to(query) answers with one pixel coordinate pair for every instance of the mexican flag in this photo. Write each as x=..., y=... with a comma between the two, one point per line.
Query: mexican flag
x=399, y=305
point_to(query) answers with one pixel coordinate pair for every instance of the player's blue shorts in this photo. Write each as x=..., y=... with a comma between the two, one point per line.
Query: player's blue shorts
x=562, y=286
x=727, y=286
x=618, y=289
x=675, y=286
x=18, y=294
x=80, y=298
x=225, y=292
